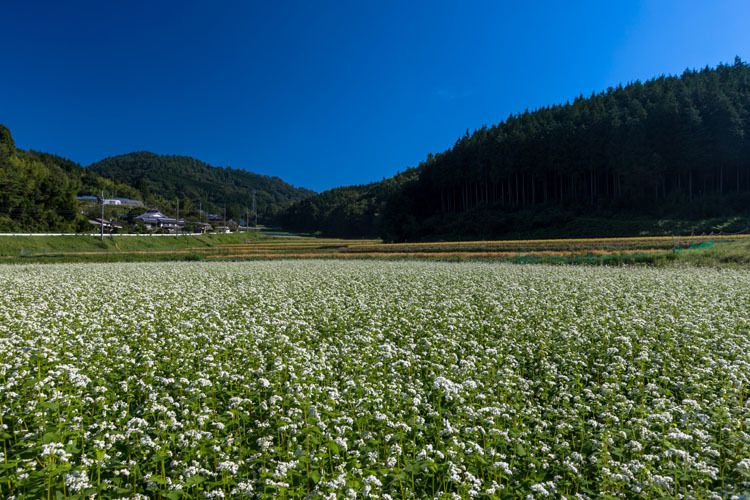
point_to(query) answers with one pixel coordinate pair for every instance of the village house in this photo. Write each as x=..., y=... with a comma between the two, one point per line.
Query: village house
x=129, y=202
x=203, y=227
x=110, y=201
x=154, y=219
x=109, y=226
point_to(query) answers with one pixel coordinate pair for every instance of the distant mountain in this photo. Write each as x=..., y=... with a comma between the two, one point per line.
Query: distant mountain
x=617, y=163
x=38, y=190
x=163, y=179
x=345, y=212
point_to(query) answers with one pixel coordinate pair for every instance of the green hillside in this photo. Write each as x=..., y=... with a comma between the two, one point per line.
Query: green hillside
x=345, y=212
x=672, y=148
x=668, y=155
x=163, y=179
x=38, y=190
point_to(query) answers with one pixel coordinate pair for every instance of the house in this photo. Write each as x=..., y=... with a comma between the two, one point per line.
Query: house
x=129, y=202
x=109, y=226
x=155, y=219
x=109, y=201
x=208, y=216
x=203, y=227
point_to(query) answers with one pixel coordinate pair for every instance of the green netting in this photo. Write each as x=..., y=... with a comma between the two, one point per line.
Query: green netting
x=694, y=246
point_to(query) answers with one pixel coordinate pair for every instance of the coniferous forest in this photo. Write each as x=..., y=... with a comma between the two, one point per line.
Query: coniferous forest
x=346, y=212
x=676, y=147
x=616, y=163
x=612, y=164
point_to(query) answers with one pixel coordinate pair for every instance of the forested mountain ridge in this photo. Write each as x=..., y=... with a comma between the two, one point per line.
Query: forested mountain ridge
x=672, y=146
x=38, y=190
x=33, y=193
x=195, y=182
x=345, y=212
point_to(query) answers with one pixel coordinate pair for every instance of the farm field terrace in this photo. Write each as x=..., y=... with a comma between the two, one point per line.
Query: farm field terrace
x=373, y=379
x=730, y=251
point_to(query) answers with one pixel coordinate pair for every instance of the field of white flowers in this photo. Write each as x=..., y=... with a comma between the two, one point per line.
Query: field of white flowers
x=312, y=379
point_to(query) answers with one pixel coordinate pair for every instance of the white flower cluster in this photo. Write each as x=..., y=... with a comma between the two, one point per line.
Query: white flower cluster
x=317, y=379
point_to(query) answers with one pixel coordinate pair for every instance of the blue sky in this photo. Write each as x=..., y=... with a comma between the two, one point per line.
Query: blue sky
x=324, y=93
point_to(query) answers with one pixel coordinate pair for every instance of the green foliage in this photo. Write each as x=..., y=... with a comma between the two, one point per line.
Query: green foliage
x=7, y=146
x=163, y=179
x=37, y=246
x=345, y=212
x=734, y=254
x=36, y=192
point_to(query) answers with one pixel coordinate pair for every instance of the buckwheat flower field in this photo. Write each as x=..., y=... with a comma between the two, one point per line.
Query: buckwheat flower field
x=366, y=379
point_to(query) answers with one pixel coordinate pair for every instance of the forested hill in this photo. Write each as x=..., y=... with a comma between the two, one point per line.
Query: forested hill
x=38, y=190
x=672, y=147
x=193, y=182
x=346, y=212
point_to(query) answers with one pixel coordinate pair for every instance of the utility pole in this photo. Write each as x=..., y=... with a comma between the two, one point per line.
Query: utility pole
x=101, y=221
x=178, y=209
x=254, y=211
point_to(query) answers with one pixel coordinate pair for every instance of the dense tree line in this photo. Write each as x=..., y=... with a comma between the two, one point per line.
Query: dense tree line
x=672, y=146
x=164, y=179
x=36, y=191
x=678, y=145
x=345, y=212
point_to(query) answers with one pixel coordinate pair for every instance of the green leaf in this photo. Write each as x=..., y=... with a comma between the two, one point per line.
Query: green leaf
x=51, y=437
x=193, y=480
x=333, y=447
x=72, y=449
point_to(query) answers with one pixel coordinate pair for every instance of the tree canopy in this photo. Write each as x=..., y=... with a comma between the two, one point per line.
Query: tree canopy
x=345, y=212
x=36, y=191
x=163, y=179
x=672, y=145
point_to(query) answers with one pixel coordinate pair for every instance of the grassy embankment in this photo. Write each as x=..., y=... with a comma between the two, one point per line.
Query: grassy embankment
x=713, y=250
x=734, y=254
x=716, y=251
x=116, y=248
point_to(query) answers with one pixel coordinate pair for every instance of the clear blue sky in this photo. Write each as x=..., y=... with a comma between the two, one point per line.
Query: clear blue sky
x=323, y=93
